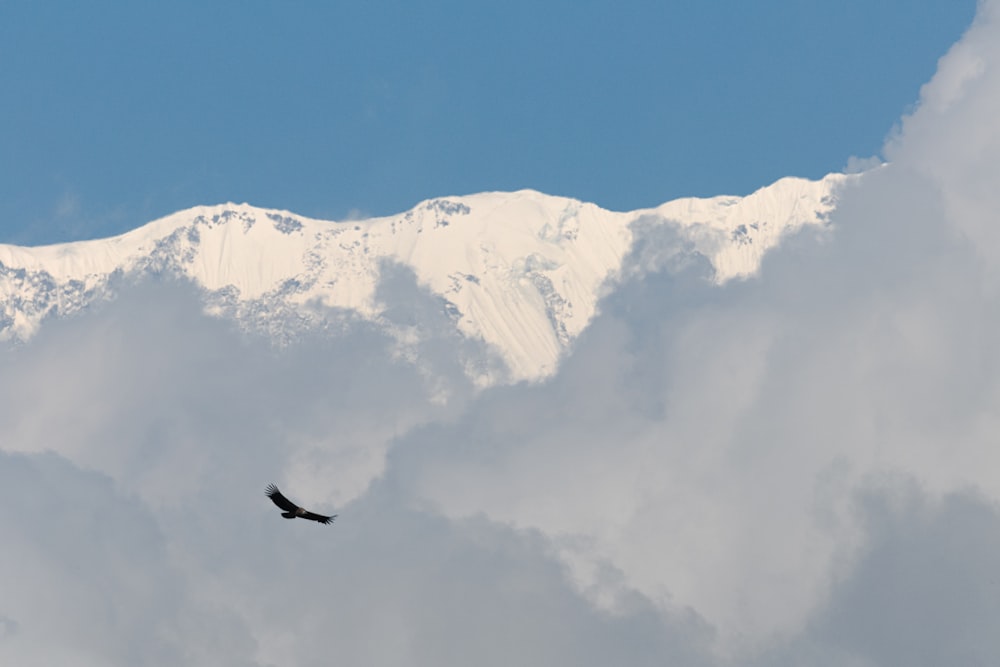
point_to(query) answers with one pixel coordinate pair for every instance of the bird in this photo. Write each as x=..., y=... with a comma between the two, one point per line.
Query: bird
x=292, y=510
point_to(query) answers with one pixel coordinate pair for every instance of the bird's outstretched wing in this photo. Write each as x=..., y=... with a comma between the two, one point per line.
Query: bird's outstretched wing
x=312, y=516
x=279, y=500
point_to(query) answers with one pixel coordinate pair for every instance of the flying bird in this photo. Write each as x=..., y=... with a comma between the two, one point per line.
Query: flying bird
x=292, y=510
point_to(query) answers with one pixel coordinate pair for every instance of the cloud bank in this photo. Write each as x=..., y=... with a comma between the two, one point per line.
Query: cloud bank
x=797, y=469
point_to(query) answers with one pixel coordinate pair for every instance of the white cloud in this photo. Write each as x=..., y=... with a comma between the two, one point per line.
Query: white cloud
x=137, y=443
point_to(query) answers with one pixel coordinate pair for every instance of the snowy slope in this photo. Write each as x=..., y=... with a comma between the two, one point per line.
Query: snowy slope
x=521, y=271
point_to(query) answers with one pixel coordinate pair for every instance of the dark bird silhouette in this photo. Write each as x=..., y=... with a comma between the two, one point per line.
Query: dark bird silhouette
x=292, y=510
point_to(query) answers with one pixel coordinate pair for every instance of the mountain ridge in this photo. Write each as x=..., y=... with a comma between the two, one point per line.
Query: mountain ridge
x=521, y=271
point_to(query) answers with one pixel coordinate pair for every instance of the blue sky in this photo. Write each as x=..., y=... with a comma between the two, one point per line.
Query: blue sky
x=114, y=113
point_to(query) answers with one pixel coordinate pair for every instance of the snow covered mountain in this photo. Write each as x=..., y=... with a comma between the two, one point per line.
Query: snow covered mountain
x=520, y=271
